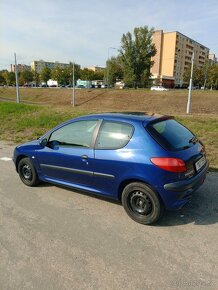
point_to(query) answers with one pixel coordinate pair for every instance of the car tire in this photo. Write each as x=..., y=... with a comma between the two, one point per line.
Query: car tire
x=27, y=172
x=142, y=203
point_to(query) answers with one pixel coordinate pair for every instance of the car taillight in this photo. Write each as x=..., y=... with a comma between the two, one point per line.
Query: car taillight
x=169, y=164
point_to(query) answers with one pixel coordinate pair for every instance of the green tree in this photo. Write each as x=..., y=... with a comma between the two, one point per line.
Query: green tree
x=213, y=76
x=45, y=74
x=87, y=74
x=56, y=74
x=198, y=76
x=187, y=75
x=114, y=70
x=21, y=80
x=2, y=79
x=27, y=76
x=9, y=78
x=69, y=73
x=60, y=75
x=36, y=77
x=64, y=76
x=136, y=52
x=98, y=75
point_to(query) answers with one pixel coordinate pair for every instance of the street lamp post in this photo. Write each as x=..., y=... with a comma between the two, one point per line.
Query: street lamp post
x=107, y=64
x=16, y=77
x=190, y=85
x=73, y=93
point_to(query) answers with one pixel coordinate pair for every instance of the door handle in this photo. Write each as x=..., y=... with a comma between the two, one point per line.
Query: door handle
x=85, y=159
x=84, y=156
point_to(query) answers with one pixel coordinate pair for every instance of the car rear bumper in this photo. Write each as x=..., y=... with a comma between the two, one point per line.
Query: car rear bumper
x=185, y=185
x=181, y=191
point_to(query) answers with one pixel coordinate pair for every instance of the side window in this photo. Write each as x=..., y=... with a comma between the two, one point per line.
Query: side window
x=114, y=135
x=74, y=134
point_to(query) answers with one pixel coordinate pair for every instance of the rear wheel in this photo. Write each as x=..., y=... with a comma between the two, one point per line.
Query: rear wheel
x=142, y=203
x=27, y=172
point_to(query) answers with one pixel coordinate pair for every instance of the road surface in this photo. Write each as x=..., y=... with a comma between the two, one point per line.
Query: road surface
x=55, y=238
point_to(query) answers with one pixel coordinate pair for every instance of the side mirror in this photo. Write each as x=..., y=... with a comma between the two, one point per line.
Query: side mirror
x=44, y=142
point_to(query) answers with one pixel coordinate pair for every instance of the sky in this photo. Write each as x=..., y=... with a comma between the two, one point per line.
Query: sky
x=85, y=31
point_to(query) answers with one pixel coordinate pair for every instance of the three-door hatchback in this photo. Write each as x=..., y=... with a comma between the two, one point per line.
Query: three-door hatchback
x=150, y=163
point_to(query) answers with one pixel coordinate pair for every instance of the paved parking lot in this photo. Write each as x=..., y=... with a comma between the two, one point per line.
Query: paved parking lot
x=55, y=238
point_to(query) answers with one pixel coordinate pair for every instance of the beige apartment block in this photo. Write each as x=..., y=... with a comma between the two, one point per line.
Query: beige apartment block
x=20, y=67
x=212, y=58
x=38, y=65
x=96, y=68
x=173, y=57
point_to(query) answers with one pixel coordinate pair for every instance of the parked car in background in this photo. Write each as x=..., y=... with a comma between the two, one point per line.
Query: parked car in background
x=80, y=87
x=119, y=85
x=52, y=83
x=194, y=87
x=158, y=88
x=150, y=163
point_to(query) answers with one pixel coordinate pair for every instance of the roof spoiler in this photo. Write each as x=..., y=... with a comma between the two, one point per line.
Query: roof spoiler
x=160, y=118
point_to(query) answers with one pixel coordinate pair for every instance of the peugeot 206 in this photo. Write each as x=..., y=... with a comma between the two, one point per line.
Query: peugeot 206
x=150, y=163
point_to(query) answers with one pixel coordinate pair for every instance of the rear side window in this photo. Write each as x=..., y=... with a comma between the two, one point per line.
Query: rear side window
x=114, y=135
x=171, y=134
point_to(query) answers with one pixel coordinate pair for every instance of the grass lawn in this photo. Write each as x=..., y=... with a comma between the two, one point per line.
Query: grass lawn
x=20, y=123
x=206, y=128
x=112, y=100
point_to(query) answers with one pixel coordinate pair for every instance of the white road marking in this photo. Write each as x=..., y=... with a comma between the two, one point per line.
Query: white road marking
x=5, y=159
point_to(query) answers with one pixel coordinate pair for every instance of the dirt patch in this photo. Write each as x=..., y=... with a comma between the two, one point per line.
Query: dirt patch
x=170, y=102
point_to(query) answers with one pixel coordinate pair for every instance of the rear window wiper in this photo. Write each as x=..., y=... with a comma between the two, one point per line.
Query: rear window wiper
x=185, y=147
x=193, y=140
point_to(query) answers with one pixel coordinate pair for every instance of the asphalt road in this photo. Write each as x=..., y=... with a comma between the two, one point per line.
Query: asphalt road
x=54, y=238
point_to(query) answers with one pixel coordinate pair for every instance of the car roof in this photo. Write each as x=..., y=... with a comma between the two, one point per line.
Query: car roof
x=126, y=116
x=139, y=117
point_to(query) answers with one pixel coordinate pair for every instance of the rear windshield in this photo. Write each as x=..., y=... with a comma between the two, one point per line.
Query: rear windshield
x=171, y=135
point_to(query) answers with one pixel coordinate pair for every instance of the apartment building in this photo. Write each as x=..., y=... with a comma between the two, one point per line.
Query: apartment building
x=96, y=68
x=173, y=57
x=20, y=67
x=38, y=65
x=212, y=58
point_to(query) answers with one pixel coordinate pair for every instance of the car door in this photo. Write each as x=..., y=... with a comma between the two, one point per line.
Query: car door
x=113, y=159
x=69, y=155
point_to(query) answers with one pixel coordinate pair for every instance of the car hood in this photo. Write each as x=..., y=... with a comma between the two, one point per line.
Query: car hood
x=29, y=145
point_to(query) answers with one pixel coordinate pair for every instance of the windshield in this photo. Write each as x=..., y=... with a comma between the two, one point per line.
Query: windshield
x=171, y=135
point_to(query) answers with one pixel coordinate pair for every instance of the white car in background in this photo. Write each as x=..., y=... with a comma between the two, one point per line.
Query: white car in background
x=158, y=88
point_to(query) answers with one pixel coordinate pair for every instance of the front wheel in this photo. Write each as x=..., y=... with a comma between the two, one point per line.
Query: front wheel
x=27, y=172
x=142, y=203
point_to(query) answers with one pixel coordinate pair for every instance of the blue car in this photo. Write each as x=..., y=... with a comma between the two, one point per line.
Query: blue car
x=150, y=163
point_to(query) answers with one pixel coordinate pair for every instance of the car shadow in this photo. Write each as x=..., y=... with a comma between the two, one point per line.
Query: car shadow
x=82, y=192
x=201, y=210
